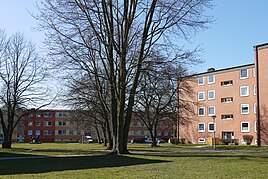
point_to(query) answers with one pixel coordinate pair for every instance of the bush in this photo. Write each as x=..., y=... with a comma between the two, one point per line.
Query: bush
x=248, y=139
x=173, y=141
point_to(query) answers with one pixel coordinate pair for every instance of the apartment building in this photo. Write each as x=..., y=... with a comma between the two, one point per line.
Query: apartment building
x=226, y=102
x=165, y=129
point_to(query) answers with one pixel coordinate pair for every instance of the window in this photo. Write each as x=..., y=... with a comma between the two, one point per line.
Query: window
x=37, y=114
x=172, y=133
x=79, y=132
x=62, y=123
x=201, y=111
x=37, y=132
x=47, y=123
x=201, y=140
x=227, y=116
x=254, y=90
x=48, y=114
x=30, y=115
x=142, y=133
x=227, y=83
x=201, y=96
x=62, y=132
x=211, y=79
x=245, y=127
x=62, y=114
x=254, y=72
x=201, y=127
x=211, y=127
x=244, y=108
x=131, y=133
x=211, y=110
x=200, y=80
x=255, y=108
x=159, y=133
x=244, y=74
x=47, y=132
x=30, y=123
x=166, y=133
x=142, y=124
x=30, y=132
x=211, y=94
x=38, y=123
x=71, y=132
x=227, y=100
x=244, y=91
x=255, y=126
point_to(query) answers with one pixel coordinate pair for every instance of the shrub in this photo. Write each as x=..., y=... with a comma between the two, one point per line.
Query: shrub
x=173, y=141
x=248, y=138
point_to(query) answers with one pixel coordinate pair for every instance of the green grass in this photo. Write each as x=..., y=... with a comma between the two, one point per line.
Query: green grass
x=167, y=161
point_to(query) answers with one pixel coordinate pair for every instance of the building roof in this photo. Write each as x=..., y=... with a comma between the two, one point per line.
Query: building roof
x=213, y=71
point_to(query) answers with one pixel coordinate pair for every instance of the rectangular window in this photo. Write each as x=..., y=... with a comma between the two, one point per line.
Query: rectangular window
x=255, y=108
x=131, y=133
x=30, y=132
x=211, y=79
x=211, y=94
x=79, y=132
x=227, y=100
x=211, y=110
x=254, y=72
x=30, y=115
x=244, y=74
x=211, y=127
x=201, y=81
x=244, y=108
x=244, y=91
x=159, y=133
x=38, y=123
x=47, y=132
x=62, y=123
x=201, y=127
x=62, y=114
x=245, y=127
x=227, y=83
x=166, y=133
x=62, y=132
x=201, y=140
x=37, y=114
x=47, y=123
x=37, y=132
x=254, y=90
x=227, y=116
x=201, y=111
x=255, y=126
x=47, y=114
x=201, y=96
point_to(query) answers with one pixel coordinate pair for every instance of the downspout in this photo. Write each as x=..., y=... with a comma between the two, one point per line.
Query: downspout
x=258, y=98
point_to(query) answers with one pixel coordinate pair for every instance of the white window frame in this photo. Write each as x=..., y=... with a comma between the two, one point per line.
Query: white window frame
x=204, y=127
x=201, y=92
x=241, y=106
x=214, y=126
x=255, y=108
x=209, y=91
x=241, y=87
x=227, y=101
x=204, y=111
x=255, y=126
x=203, y=80
x=30, y=132
x=241, y=74
x=248, y=130
x=201, y=140
x=254, y=72
x=214, y=110
x=37, y=132
x=254, y=90
x=211, y=82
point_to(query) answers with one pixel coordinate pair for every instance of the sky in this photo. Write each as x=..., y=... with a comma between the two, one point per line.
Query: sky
x=228, y=42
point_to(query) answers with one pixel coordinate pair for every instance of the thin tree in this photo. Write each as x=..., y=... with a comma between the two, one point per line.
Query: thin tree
x=20, y=74
x=117, y=35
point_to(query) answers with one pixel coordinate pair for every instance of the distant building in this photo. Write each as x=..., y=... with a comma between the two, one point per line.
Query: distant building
x=231, y=96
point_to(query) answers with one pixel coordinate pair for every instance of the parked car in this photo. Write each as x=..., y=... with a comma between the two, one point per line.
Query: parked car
x=159, y=140
x=141, y=141
x=89, y=139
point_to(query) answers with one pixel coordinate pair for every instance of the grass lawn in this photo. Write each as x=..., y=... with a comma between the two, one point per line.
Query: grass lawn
x=167, y=161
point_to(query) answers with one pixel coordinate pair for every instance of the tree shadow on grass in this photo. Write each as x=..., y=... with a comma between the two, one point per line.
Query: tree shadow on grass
x=42, y=165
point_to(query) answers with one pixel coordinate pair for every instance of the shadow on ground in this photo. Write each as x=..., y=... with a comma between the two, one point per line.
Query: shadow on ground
x=41, y=165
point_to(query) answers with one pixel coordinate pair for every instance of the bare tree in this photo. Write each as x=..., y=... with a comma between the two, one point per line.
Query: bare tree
x=20, y=73
x=118, y=36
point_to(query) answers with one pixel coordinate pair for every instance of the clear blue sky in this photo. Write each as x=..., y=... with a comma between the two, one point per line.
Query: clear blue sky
x=240, y=24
